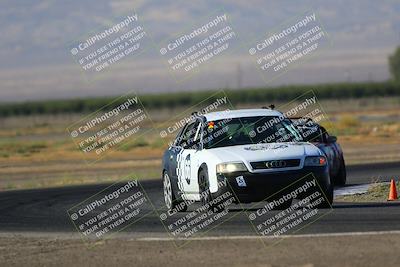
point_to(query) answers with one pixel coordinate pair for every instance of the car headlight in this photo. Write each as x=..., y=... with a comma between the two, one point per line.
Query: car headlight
x=315, y=161
x=231, y=167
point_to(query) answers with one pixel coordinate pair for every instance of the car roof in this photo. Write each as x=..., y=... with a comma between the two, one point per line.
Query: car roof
x=240, y=113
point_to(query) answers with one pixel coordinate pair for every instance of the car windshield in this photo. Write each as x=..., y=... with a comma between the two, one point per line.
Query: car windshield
x=249, y=130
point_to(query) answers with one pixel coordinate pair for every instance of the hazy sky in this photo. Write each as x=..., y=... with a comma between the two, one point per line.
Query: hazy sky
x=36, y=38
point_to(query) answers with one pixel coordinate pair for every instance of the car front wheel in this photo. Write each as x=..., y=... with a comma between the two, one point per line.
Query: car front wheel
x=205, y=194
x=340, y=179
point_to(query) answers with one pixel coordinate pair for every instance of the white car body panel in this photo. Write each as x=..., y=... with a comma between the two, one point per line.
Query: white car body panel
x=242, y=153
x=190, y=160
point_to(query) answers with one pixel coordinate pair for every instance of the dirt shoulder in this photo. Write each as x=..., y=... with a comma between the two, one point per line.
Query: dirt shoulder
x=377, y=192
x=358, y=250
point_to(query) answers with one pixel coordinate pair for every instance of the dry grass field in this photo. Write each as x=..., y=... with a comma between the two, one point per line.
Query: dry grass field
x=36, y=151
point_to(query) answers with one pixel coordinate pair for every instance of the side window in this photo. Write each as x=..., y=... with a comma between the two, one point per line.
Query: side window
x=325, y=134
x=317, y=135
x=311, y=133
x=178, y=138
x=187, y=138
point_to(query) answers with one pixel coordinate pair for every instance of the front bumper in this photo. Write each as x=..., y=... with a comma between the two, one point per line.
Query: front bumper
x=261, y=186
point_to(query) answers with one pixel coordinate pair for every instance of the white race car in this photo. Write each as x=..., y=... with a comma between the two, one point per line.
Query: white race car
x=253, y=152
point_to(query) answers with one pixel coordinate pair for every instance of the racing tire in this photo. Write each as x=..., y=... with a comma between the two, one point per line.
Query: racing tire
x=171, y=202
x=328, y=198
x=285, y=205
x=325, y=190
x=205, y=193
x=340, y=178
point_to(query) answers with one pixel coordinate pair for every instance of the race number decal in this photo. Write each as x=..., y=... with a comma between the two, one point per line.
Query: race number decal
x=183, y=167
x=186, y=169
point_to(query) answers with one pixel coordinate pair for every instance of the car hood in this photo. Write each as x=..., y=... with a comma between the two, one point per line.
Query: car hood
x=261, y=152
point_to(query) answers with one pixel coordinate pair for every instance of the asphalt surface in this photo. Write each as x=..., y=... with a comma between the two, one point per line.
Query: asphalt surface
x=45, y=210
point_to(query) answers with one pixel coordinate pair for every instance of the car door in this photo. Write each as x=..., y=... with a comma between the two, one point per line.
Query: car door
x=336, y=156
x=328, y=149
x=187, y=158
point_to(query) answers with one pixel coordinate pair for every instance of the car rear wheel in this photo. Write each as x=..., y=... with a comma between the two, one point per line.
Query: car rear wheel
x=169, y=197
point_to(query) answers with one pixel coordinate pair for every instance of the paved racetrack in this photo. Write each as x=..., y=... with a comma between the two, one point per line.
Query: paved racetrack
x=44, y=210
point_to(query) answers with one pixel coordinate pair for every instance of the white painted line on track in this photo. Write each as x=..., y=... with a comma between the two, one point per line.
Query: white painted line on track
x=131, y=237
x=353, y=189
x=205, y=238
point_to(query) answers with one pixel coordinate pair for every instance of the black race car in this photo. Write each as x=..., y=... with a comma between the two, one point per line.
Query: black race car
x=318, y=135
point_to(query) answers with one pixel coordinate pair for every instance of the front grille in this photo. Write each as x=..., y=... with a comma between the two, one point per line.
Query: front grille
x=275, y=164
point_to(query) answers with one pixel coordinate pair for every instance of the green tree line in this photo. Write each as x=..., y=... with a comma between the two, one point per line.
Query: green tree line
x=180, y=99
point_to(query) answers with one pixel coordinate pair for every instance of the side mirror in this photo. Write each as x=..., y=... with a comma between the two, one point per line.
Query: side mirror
x=331, y=139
